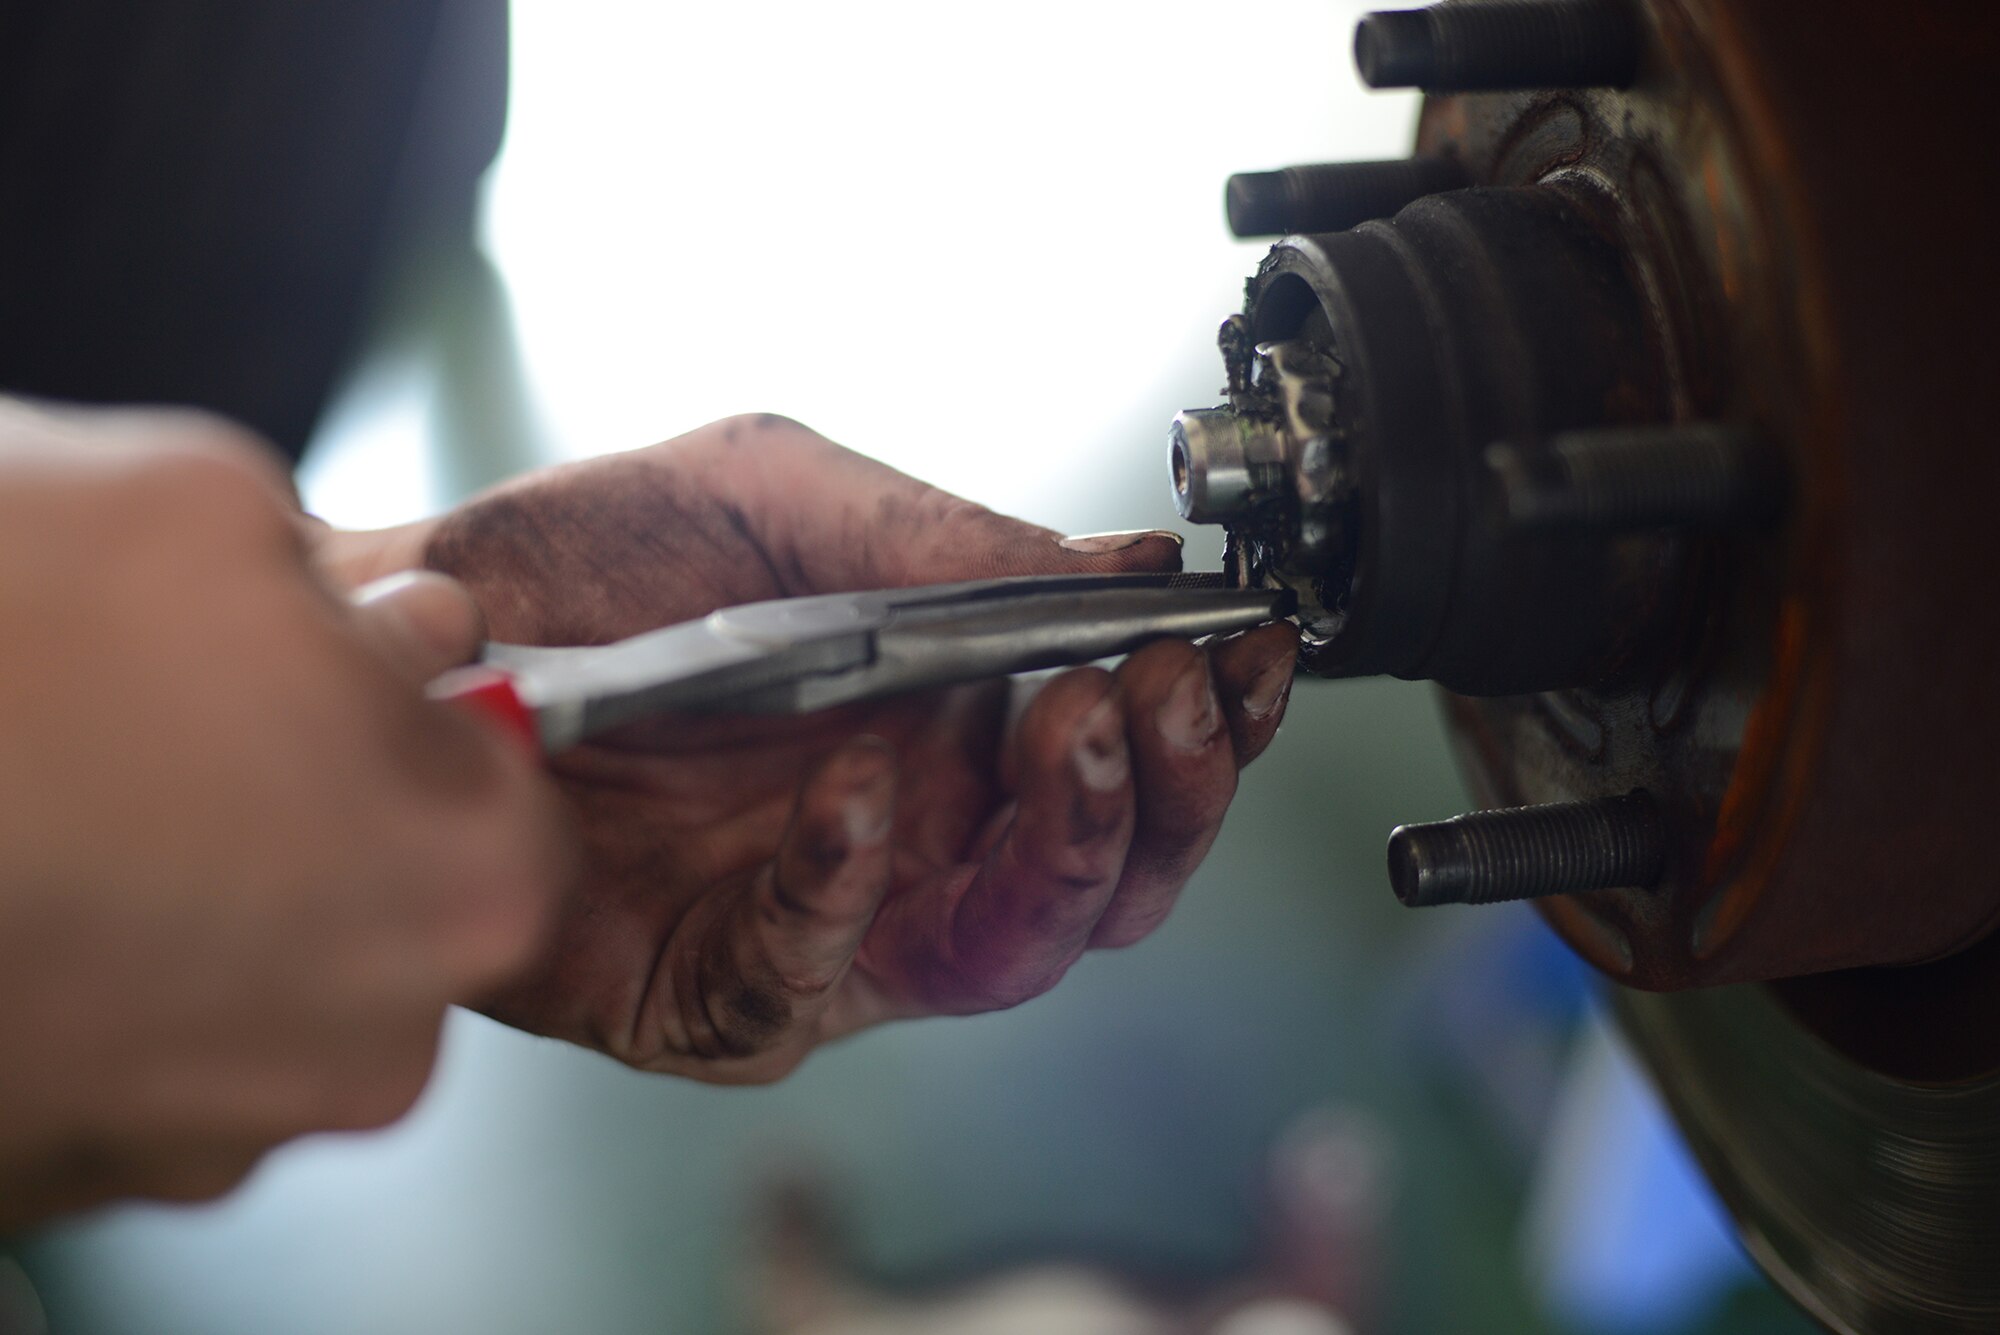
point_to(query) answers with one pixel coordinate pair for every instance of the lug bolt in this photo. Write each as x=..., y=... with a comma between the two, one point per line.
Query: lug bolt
x=1501, y=44
x=1557, y=849
x=1332, y=196
x=1697, y=475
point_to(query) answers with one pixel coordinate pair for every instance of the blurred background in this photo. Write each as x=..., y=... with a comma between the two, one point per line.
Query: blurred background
x=985, y=244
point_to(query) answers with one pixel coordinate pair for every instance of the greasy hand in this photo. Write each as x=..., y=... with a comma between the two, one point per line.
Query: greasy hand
x=756, y=887
x=244, y=864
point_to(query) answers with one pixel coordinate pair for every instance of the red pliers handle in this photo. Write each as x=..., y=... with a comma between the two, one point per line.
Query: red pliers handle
x=490, y=693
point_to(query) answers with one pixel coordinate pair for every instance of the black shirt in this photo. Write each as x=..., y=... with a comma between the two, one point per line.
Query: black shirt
x=196, y=195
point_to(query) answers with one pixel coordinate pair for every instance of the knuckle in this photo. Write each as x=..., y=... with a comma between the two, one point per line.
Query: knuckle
x=372, y=1085
x=501, y=936
x=1177, y=835
x=746, y=1013
x=951, y=512
x=1012, y=546
x=1079, y=688
x=749, y=1020
x=482, y=533
x=771, y=1071
x=769, y=1067
x=800, y=986
x=483, y=930
x=1171, y=847
x=1061, y=915
x=200, y=431
x=780, y=422
x=1126, y=929
x=1169, y=658
x=506, y=892
x=1005, y=989
x=818, y=854
x=202, y=1178
x=382, y=1095
x=215, y=483
x=765, y=1068
x=760, y=429
x=1091, y=824
x=1048, y=726
x=972, y=979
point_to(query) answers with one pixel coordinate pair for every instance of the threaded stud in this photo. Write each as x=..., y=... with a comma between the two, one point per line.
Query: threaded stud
x=1698, y=475
x=1501, y=44
x=1526, y=852
x=1332, y=196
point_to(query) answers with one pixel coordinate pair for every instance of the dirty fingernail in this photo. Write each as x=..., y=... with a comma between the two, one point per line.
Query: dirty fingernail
x=1098, y=544
x=388, y=588
x=868, y=815
x=870, y=808
x=1099, y=754
x=1190, y=718
x=1267, y=690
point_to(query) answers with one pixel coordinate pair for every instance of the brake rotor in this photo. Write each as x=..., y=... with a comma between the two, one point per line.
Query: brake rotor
x=1850, y=1121
x=1503, y=416
x=1868, y=1198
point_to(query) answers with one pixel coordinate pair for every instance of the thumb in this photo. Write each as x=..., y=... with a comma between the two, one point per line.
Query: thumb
x=1136, y=549
x=845, y=521
x=979, y=544
x=420, y=621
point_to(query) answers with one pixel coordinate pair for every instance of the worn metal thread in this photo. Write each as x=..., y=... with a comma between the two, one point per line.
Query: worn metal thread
x=1698, y=475
x=1332, y=196
x=1501, y=44
x=1525, y=852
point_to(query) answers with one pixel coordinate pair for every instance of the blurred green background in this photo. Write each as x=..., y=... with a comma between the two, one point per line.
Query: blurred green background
x=986, y=245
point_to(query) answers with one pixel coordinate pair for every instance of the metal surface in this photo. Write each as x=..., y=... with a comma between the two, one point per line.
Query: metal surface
x=1826, y=733
x=1820, y=724
x=1582, y=442
x=1502, y=44
x=1329, y=196
x=1666, y=447
x=1003, y=627
x=1873, y=1200
x=796, y=655
x=1393, y=354
x=1563, y=848
x=1694, y=475
x=1222, y=464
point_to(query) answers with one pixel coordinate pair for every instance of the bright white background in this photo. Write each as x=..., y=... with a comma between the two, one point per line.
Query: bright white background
x=982, y=242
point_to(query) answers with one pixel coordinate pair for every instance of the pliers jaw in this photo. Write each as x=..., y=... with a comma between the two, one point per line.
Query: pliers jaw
x=798, y=655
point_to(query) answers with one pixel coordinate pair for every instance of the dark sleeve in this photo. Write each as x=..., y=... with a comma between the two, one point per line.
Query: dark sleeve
x=195, y=195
